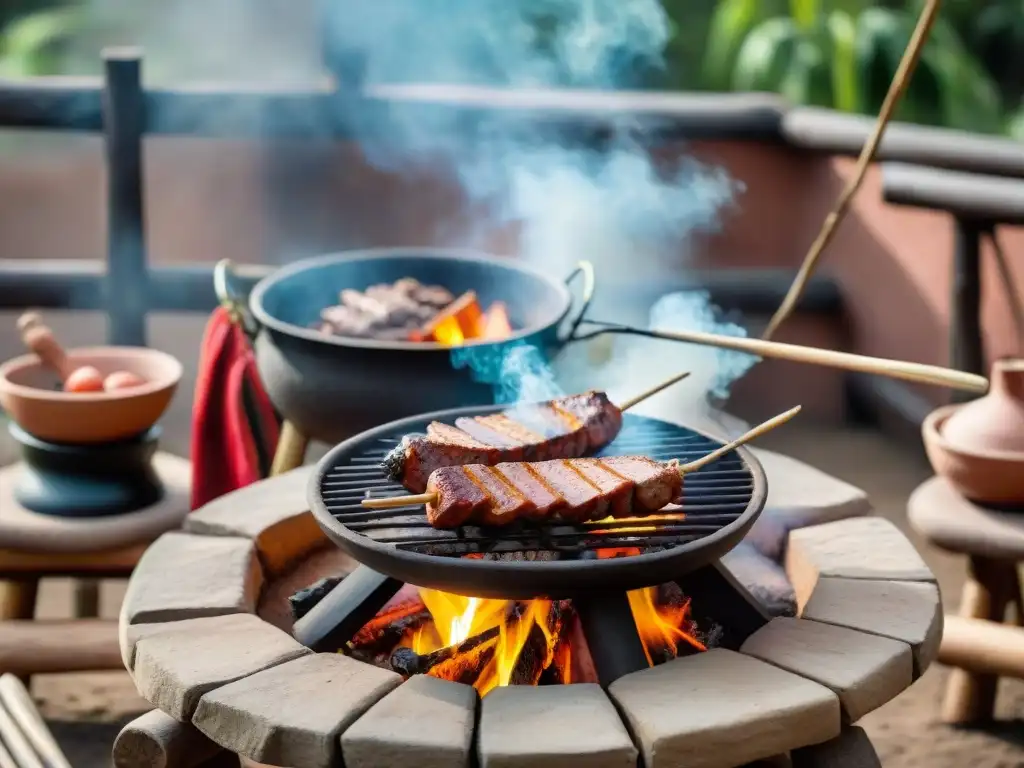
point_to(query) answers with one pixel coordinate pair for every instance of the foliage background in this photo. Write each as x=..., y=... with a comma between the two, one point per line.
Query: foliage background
x=832, y=53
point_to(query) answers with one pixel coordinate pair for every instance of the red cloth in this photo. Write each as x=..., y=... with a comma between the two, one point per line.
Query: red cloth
x=234, y=426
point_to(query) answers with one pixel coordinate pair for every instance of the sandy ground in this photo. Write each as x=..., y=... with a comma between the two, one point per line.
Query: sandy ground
x=86, y=710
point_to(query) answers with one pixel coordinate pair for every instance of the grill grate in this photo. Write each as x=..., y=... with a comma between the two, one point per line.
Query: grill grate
x=713, y=498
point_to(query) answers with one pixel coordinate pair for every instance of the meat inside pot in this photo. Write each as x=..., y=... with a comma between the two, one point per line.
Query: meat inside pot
x=386, y=311
x=408, y=310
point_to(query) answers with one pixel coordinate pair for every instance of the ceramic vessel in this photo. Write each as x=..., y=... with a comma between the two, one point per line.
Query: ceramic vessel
x=30, y=393
x=979, y=446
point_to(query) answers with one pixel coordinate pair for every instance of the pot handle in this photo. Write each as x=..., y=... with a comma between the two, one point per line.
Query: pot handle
x=233, y=304
x=586, y=270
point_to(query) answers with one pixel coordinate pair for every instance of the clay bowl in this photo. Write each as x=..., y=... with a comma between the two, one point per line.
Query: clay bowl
x=30, y=394
x=989, y=477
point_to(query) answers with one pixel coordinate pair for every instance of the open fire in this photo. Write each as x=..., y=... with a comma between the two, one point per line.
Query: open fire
x=407, y=310
x=490, y=643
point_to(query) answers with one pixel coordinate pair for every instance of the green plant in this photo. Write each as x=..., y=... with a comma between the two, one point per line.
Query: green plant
x=34, y=44
x=843, y=55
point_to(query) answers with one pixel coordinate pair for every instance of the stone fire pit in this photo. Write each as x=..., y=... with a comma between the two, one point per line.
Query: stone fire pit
x=205, y=632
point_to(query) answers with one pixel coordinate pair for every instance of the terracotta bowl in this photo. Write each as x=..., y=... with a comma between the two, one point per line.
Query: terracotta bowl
x=30, y=394
x=992, y=477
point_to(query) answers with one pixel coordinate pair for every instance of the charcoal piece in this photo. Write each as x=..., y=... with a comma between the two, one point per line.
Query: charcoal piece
x=385, y=630
x=302, y=602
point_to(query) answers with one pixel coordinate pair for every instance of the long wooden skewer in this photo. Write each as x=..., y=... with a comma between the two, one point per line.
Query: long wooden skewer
x=867, y=154
x=743, y=439
x=652, y=391
x=430, y=498
x=896, y=369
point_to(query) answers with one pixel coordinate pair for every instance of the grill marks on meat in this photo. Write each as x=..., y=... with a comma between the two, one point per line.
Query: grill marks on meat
x=559, y=429
x=574, y=490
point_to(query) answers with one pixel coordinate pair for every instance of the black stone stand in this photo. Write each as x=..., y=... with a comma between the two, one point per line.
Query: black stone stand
x=87, y=480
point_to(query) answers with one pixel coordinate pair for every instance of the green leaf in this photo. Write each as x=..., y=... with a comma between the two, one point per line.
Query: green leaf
x=807, y=80
x=29, y=45
x=843, y=37
x=804, y=12
x=765, y=56
x=730, y=24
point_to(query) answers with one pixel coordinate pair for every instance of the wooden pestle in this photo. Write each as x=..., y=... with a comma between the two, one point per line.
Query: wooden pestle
x=39, y=338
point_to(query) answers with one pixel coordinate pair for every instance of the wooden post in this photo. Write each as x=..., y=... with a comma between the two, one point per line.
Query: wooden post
x=966, y=348
x=124, y=120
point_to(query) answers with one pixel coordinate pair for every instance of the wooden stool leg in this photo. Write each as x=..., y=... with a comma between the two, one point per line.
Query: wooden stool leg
x=18, y=601
x=87, y=598
x=291, y=450
x=971, y=697
x=1018, y=600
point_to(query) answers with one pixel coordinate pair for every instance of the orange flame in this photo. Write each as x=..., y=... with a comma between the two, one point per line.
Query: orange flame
x=463, y=320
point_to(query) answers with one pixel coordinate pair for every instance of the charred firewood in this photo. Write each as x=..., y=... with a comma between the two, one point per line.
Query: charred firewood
x=537, y=652
x=385, y=630
x=303, y=601
x=467, y=667
x=559, y=671
x=670, y=598
x=405, y=661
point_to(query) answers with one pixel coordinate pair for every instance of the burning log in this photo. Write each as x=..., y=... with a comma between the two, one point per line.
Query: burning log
x=674, y=608
x=537, y=651
x=467, y=667
x=407, y=662
x=559, y=671
x=385, y=630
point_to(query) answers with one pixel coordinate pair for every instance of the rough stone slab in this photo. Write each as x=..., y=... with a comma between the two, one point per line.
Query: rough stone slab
x=561, y=726
x=426, y=722
x=853, y=749
x=865, y=671
x=292, y=714
x=129, y=635
x=800, y=495
x=176, y=666
x=720, y=709
x=902, y=610
x=859, y=548
x=273, y=513
x=182, y=576
x=763, y=578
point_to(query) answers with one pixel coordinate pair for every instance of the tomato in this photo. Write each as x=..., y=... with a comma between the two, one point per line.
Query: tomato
x=84, y=379
x=122, y=380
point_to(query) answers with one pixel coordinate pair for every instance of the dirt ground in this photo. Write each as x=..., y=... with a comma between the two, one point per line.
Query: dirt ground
x=86, y=710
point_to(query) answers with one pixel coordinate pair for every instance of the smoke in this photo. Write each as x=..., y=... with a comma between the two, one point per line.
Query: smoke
x=570, y=197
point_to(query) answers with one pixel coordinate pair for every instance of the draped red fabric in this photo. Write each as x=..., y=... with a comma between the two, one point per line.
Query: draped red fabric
x=234, y=426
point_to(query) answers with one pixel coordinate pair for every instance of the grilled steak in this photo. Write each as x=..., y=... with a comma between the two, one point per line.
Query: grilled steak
x=566, y=428
x=574, y=490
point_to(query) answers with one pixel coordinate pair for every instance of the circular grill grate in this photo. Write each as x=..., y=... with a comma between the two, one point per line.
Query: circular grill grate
x=719, y=503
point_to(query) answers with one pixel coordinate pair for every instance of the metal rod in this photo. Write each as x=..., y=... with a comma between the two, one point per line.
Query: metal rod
x=124, y=118
x=612, y=637
x=345, y=609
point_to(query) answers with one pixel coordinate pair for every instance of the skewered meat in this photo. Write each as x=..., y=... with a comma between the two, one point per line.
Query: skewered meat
x=566, y=428
x=575, y=490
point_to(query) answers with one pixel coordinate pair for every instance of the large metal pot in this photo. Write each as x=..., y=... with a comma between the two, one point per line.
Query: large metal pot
x=332, y=387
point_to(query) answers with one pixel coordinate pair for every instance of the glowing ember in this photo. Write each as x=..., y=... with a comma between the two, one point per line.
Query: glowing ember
x=464, y=320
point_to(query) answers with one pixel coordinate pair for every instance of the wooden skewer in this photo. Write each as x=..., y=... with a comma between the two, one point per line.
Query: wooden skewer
x=757, y=431
x=652, y=391
x=896, y=369
x=18, y=702
x=693, y=466
x=900, y=79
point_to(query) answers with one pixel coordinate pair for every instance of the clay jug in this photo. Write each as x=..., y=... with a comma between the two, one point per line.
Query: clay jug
x=993, y=423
